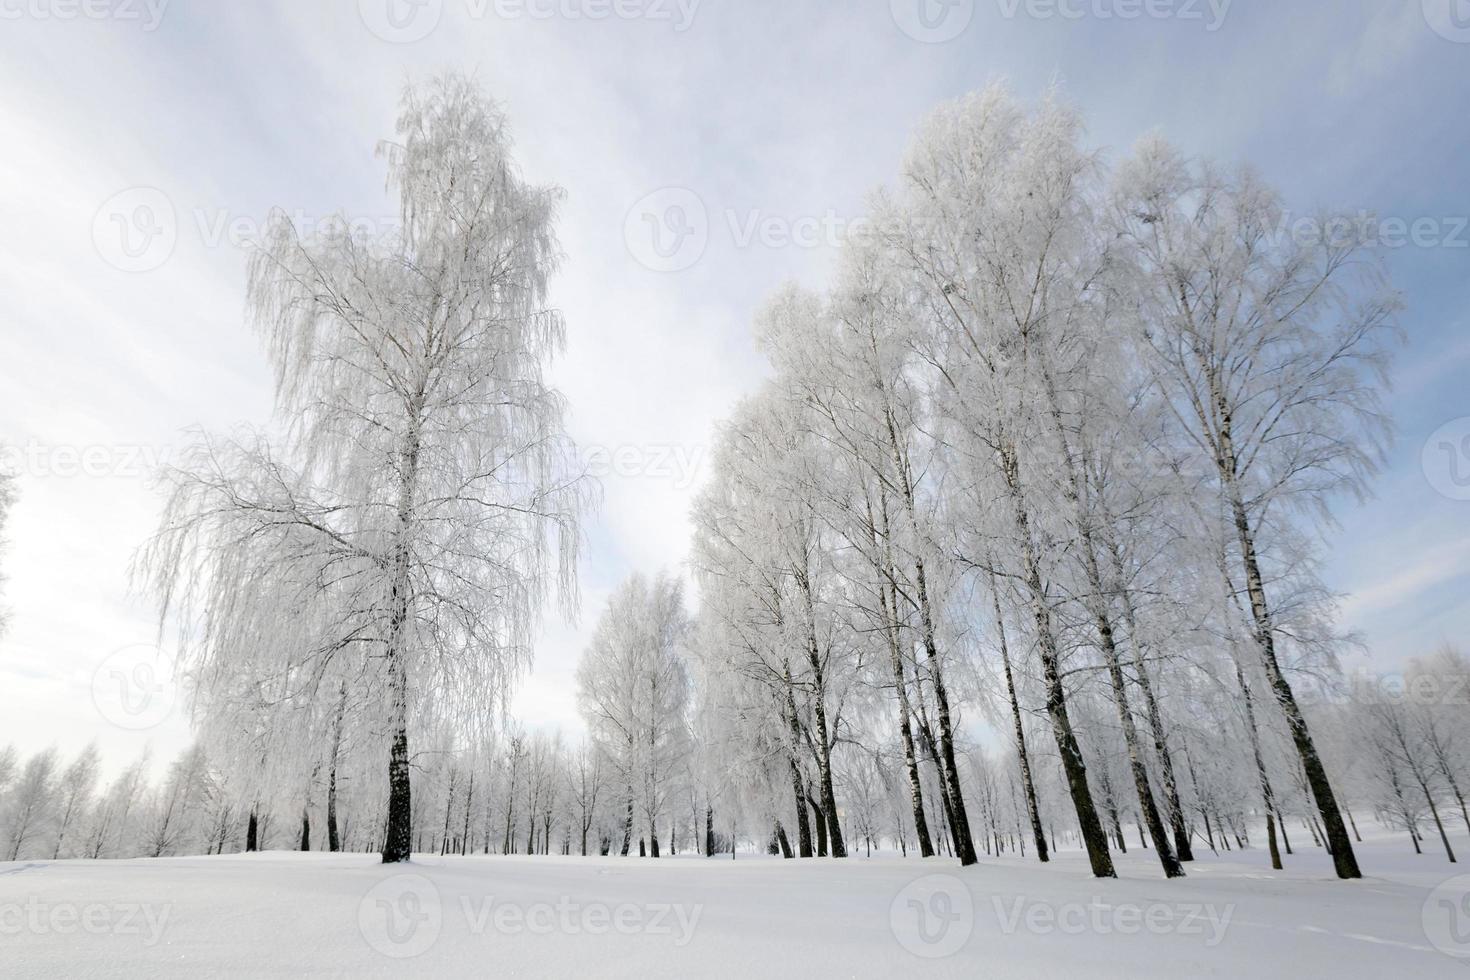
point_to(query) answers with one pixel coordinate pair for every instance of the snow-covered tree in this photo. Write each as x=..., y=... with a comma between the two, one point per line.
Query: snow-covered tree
x=422, y=500
x=633, y=693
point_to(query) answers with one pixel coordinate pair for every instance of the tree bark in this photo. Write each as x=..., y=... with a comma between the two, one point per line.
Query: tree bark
x=905, y=713
x=798, y=788
x=1093, y=836
x=964, y=843
x=1267, y=797
x=1027, y=784
x=1344, y=860
x=1172, y=804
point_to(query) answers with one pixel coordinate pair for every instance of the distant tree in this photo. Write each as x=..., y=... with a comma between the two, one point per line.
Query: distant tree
x=74, y=793
x=29, y=806
x=633, y=690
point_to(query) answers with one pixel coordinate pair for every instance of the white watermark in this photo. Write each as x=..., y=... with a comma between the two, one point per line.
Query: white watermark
x=148, y=13
x=670, y=229
x=96, y=460
x=675, y=464
x=1445, y=916
x=133, y=688
x=138, y=229
x=1210, y=13
x=932, y=21
x=1446, y=459
x=403, y=916
x=408, y=21
x=1450, y=19
x=933, y=916
x=1206, y=921
x=1367, y=229
x=40, y=918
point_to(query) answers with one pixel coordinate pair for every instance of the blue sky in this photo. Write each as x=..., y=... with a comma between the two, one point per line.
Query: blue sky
x=769, y=122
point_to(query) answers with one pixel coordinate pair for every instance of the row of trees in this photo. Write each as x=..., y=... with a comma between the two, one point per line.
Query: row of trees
x=1051, y=459
x=1398, y=745
x=1058, y=445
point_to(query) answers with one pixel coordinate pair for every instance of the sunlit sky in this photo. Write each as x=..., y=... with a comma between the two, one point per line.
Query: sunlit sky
x=141, y=143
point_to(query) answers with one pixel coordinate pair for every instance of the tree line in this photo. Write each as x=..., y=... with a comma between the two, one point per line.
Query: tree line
x=1019, y=543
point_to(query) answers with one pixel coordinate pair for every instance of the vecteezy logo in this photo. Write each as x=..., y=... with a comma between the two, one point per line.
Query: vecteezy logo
x=136, y=230
x=933, y=916
x=1446, y=917
x=401, y=21
x=1450, y=19
x=401, y=916
x=932, y=21
x=668, y=230
x=133, y=688
x=1446, y=459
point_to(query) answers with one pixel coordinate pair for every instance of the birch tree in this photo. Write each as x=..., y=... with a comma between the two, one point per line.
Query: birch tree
x=633, y=691
x=1270, y=348
x=423, y=471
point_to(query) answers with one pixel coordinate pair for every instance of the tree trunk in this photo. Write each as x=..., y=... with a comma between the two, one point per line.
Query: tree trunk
x=1266, y=795
x=820, y=819
x=1073, y=765
x=398, y=841
x=1027, y=784
x=782, y=842
x=252, y=833
x=948, y=771
x=1343, y=859
x=905, y=718
x=959, y=819
x=469, y=801
x=803, y=828
x=1156, y=831
x=824, y=745
x=1078, y=494
x=1172, y=804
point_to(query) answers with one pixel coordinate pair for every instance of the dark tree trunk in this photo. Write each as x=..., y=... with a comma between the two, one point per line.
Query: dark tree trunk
x=1093, y=836
x=334, y=840
x=959, y=819
x=252, y=832
x=1343, y=859
x=1267, y=796
x=709, y=832
x=905, y=712
x=821, y=821
x=1027, y=783
x=959, y=830
x=1156, y=831
x=305, y=830
x=1182, y=847
x=398, y=842
x=803, y=828
x=824, y=748
x=781, y=841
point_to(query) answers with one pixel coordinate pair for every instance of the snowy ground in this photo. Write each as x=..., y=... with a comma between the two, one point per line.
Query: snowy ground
x=334, y=915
